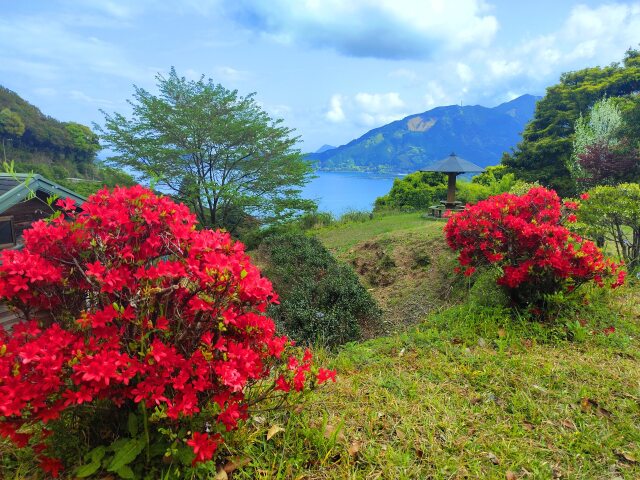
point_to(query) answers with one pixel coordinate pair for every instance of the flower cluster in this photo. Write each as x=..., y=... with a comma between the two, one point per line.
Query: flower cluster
x=526, y=237
x=127, y=302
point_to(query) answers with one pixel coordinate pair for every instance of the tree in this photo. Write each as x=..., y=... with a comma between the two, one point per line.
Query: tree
x=547, y=141
x=613, y=213
x=216, y=151
x=85, y=142
x=601, y=152
x=11, y=126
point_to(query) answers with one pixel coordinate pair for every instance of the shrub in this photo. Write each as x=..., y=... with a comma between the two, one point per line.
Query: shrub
x=142, y=335
x=613, y=213
x=321, y=300
x=524, y=236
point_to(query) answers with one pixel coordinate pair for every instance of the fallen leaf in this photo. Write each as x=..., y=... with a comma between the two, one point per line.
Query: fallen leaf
x=493, y=459
x=587, y=405
x=511, y=475
x=330, y=430
x=221, y=474
x=354, y=448
x=235, y=463
x=627, y=457
x=275, y=429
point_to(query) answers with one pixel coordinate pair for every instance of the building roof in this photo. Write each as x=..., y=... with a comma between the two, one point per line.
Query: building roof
x=454, y=164
x=15, y=187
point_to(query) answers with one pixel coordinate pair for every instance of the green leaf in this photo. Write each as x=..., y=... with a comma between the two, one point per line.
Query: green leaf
x=132, y=424
x=87, y=470
x=126, y=454
x=125, y=472
x=97, y=453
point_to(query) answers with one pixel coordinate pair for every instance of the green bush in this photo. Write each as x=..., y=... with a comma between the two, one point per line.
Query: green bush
x=321, y=300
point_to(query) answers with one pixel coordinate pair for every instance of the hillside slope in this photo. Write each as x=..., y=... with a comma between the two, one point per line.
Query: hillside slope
x=477, y=133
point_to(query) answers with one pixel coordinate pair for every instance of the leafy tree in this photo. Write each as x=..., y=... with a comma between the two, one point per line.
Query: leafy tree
x=85, y=141
x=547, y=141
x=10, y=123
x=601, y=152
x=613, y=213
x=212, y=149
x=11, y=126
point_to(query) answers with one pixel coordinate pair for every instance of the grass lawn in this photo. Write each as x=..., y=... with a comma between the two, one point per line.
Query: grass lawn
x=467, y=391
x=467, y=394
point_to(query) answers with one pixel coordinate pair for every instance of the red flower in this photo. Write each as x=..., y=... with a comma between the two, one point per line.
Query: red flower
x=203, y=446
x=584, y=196
x=66, y=204
x=324, y=375
x=51, y=466
x=609, y=330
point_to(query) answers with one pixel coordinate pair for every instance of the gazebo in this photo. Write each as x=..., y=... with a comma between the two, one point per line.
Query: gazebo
x=452, y=166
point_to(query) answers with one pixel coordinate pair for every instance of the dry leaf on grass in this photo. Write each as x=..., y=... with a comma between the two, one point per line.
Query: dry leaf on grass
x=235, y=463
x=275, y=429
x=627, y=457
x=221, y=474
x=354, y=448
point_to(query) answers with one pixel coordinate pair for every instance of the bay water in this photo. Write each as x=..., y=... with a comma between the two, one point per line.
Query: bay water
x=340, y=192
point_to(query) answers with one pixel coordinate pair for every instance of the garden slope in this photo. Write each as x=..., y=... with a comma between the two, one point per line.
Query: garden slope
x=470, y=392
x=403, y=261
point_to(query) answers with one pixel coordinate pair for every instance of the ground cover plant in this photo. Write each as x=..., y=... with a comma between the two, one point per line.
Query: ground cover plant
x=526, y=239
x=144, y=342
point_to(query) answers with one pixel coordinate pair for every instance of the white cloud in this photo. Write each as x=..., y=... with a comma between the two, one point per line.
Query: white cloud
x=464, y=72
x=393, y=29
x=366, y=109
x=335, y=113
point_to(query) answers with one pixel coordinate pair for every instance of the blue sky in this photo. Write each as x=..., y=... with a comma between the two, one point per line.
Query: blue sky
x=331, y=69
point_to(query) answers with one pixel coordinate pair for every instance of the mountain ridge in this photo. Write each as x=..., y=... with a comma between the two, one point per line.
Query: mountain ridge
x=477, y=133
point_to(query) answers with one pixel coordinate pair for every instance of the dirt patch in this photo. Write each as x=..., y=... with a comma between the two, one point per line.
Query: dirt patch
x=408, y=275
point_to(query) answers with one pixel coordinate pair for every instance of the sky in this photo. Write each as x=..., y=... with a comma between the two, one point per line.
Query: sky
x=331, y=69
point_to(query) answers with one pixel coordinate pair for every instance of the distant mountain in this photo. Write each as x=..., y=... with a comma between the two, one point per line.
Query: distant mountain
x=324, y=148
x=475, y=133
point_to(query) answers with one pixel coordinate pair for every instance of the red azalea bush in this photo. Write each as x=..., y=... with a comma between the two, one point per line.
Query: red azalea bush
x=525, y=237
x=128, y=308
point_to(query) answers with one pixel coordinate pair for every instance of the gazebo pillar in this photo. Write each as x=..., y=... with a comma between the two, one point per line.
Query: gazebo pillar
x=451, y=188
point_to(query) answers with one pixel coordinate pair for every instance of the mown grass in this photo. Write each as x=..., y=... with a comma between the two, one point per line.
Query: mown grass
x=489, y=398
x=339, y=238
x=473, y=391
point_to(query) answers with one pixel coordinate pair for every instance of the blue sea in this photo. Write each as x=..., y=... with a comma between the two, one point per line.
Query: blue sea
x=339, y=192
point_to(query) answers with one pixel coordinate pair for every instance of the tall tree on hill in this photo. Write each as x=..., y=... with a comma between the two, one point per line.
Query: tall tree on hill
x=212, y=149
x=11, y=126
x=547, y=140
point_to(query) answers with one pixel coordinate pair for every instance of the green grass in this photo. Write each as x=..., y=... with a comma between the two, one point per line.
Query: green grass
x=341, y=237
x=489, y=397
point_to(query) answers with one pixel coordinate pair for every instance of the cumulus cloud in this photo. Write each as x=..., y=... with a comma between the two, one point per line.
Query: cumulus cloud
x=366, y=109
x=394, y=29
x=335, y=113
